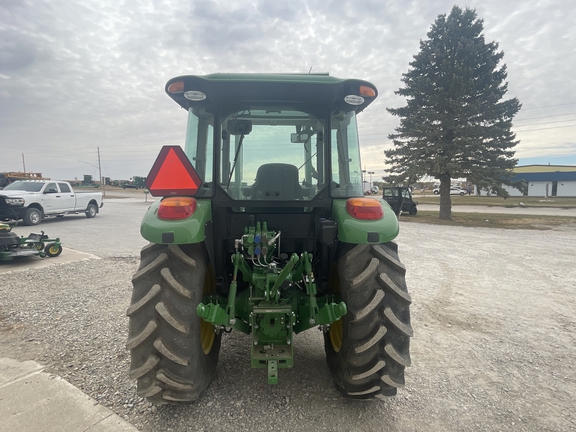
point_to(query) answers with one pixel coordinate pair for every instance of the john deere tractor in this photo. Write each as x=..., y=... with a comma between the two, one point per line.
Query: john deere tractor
x=262, y=228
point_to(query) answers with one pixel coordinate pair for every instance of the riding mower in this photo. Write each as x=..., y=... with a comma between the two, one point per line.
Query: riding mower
x=34, y=245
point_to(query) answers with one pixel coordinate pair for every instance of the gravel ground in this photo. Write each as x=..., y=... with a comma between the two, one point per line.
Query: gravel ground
x=493, y=314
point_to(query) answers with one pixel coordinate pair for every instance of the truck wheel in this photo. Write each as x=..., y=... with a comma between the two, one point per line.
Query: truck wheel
x=53, y=250
x=368, y=348
x=33, y=216
x=91, y=210
x=174, y=352
x=413, y=210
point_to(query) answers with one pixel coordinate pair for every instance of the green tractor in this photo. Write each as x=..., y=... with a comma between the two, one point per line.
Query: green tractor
x=263, y=228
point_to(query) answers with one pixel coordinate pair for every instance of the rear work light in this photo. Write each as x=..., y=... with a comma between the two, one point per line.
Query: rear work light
x=367, y=91
x=176, y=208
x=364, y=208
x=176, y=87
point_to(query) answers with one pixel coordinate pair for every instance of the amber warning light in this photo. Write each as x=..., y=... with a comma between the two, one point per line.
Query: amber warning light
x=172, y=174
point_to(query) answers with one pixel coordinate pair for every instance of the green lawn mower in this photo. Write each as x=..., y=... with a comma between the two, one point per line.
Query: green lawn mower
x=34, y=245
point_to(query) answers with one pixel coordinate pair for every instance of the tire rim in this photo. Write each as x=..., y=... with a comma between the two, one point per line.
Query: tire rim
x=336, y=328
x=207, y=334
x=336, y=335
x=53, y=249
x=35, y=217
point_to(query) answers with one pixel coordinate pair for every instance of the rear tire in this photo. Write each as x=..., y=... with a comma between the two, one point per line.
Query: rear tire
x=368, y=349
x=174, y=352
x=91, y=211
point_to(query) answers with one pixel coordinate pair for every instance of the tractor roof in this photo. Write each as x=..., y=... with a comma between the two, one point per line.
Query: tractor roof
x=210, y=90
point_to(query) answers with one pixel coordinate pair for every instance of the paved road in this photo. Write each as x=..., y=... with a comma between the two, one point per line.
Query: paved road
x=546, y=211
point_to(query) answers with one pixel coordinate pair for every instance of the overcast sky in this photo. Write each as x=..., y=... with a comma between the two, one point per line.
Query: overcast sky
x=76, y=75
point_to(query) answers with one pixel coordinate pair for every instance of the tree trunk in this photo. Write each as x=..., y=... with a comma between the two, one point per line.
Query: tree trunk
x=445, y=200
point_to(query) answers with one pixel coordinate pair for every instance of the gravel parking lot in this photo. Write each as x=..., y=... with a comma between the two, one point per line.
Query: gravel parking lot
x=493, y=313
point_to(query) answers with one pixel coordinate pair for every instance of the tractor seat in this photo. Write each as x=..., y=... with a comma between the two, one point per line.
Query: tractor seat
x=277, y=181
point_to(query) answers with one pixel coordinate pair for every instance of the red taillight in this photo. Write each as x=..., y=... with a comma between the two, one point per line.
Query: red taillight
x=364, y=208
x=176, y=208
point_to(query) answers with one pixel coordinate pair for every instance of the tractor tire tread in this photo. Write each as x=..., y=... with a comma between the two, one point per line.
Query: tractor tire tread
x=167, y=359
x=376, y=330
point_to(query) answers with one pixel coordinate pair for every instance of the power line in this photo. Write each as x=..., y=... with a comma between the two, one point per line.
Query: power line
x=549, y=106
x=536, y=124
x=553, y=115
x=555, y=127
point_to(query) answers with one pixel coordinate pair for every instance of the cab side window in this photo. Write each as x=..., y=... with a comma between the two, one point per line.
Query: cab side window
x=64, y=187
x=51, y=188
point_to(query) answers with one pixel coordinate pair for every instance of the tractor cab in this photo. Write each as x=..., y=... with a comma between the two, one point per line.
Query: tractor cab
x=273, y=137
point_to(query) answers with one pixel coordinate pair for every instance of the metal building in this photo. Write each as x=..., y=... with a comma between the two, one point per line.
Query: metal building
x=546, y=180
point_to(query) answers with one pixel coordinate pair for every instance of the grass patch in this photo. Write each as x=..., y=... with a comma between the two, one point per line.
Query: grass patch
x=494, y=220
x=557, y=202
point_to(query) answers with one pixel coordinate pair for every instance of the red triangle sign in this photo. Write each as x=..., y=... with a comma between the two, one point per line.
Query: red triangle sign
x=172, y=174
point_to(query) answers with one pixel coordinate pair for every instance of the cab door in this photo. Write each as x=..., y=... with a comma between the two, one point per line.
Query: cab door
x=51, y=198
x=67, y=197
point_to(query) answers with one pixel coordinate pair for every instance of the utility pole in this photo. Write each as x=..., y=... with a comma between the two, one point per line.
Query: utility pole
x=23, y=162
x=100, y=173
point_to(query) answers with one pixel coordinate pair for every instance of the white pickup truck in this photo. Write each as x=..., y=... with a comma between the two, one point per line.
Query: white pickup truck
x=32, y=200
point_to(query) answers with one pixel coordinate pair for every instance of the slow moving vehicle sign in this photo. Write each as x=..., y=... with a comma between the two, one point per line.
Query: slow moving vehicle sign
x=172, y=174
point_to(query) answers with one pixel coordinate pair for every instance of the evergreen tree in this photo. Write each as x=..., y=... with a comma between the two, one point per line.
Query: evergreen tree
x=455, y=123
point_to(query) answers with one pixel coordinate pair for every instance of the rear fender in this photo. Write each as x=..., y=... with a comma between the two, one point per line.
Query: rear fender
x=351, y=230
x=190, y=230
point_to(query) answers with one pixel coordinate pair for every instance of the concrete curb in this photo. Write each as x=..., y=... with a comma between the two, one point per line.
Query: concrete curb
x=32, y=400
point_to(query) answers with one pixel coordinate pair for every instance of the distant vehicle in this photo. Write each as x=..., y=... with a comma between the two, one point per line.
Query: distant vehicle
x=454, y=190
x=129, y=186
x=400, y=199
x=33, y=200
x=372, y=191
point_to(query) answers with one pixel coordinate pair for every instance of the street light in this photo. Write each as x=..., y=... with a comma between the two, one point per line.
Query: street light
x=368, y=172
